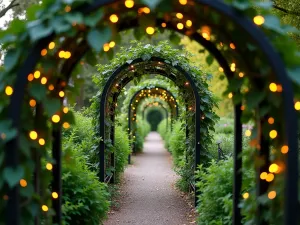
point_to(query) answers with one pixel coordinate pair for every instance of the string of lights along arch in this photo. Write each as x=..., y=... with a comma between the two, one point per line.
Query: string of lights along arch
x=40, y=57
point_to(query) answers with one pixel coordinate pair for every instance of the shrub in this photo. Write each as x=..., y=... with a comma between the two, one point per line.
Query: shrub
x=142, y=130
x=177, y=142
x=85, y=199
x=164, y=132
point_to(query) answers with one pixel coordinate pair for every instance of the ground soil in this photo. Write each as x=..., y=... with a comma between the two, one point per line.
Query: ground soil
x=148, y=194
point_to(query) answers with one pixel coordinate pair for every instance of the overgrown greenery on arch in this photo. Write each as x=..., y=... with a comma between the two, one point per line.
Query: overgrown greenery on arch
x=49, y=19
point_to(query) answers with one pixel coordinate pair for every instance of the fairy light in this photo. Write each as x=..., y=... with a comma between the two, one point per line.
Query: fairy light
x=114, y=18
x=206, y=36
x=67, y=55
x=42, y=141
x=230, y=95
x=221, y=69
x=279, y=88
x=273, y=168
x=54, y=195
x=44, y=80
x=272, y=195
x=179, y=15
x=271, y=120
x=23, y=183
x=259, y=20
x=66, y=125
x=9, y=90
x=61, y=94
x=241, y=74
x=61, y=54
x=188, y=23
x=246, y=195
x=51, y=45
x=65, y=109
x=248, y=133
x=51, y=87
x=183, y=2
x=273, y=87
x=44, y=52
x=112, y=44
x=37, y=74
x=129, y=3
x=150, y=30
x=68, y=8
x=163, y=24
x=146, y=10
x=32, y=103
x=180, y=26
x=45, y=208
x=263, y=175
x=232, y=46
x=273, y=134
x=49, y=166
x=55, y=118
x=297, y=105
x=243, y=107
x=33, y=135
x=270, y=177
x=284, y=149
x=30, y=77
x=106, y=47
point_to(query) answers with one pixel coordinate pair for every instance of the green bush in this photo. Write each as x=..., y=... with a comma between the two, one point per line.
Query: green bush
x=85, y=199
x=142, y=130
x=164, y=132
x=177, y=142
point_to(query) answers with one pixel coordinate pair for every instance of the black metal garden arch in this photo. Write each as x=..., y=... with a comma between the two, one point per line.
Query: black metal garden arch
x=291, y=129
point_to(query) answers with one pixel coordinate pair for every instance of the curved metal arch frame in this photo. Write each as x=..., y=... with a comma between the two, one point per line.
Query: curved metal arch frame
x=291, y=128
x=133, y=98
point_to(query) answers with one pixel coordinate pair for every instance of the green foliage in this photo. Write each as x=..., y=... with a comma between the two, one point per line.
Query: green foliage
x=85, y=199
x=142, y=130
x=165, y=132
x=177, y=143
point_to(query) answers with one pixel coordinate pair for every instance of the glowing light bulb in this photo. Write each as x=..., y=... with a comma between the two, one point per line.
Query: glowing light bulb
x=232, y=46
x=37, y=74
x=44, y=52
x=30, y=77
x=68, y=8
x=146, y=10
x=51, y=87
x=180, y=26
x=179, y=15
x=23, y=183
x=188, y=23
x=65, y=109
x=272, y=195
x=45, y=208
x=44, y=80
x=271, y=120
x=297, y=106
x=273, y=134
x=33, y=135
x=54, y=195
x=112, y=44
x=114, y=18
x=32, y=103
x=163, y=24
x=106, y=47
x=248, y=133
x=129, y=3
x=42, y=141
x=284, y=149
x=66, y=125
x=150, y=30
x=263, y=175
x=51, y=45
x=9, y=90
x=49, y=166
x=221, y=69
x=55, y=118
x=270, y=177
x=230, y=95
x=67, y=55
x=273, y=87
x=61, y=54
x=246, y=195
x=61, y=94
x=241, y=74
x=183, y=2
x=259, y=20
x=273, y=168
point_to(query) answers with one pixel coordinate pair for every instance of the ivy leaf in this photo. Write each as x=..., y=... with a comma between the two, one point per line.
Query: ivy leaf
x=264, y=5
x=74, y=18
x=97, y=38
x=11, y=58
x=174, y=38
x=51, y=106
x=209, y=59
x=7, y=130
x=294, y=74
x=273, y=23
x=90, y=58
x=138, y=34
x=38, y=91
x=92, y=20
x=13, y=176
x=254, y=98
x=152, y=3
x=60, y=25
x=38, y=30
x=241, y=5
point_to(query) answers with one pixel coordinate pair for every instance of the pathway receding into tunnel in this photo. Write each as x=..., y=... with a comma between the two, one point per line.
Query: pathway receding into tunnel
x=148, y=194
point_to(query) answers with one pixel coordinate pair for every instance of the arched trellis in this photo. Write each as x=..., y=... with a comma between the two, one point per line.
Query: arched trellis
x=153, y=105
x=154, y=65
x=291, y=206
x=159, y=107
x=136, y=97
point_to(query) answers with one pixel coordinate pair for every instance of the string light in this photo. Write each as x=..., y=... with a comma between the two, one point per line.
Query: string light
x=37, y=74
x=33, y=135
x=67, y=55
x=221, y=69
x=270, y=177
x=61, y=94
x=279, y=88
x=284, y=149
x=146, y=10
x=112, y=44
x=232, y=46
x=246, y=195
x=54, y=195
x=42, y=141
x=243, y=107
x=51, y=45
x=189, y=23
x=150, y=30
x=61, y=54
x=241, y=74
x=230, y=95
x=106, y=47
x=273, y=87
x=206, y=36
x=163, y=24
x=55, y=118
x=273, y=134
x=180, y=26
x=66, y=125
x=272, y=195
x=65, y=109
x=45, y=208
x=248, y=133
x=114, y=18
x=23, y=183
x=271, y=120
x=44, y=52
x=297, y=105
x=183, y=2
x=273, y=168
x=129, y=3
x=68, y=8
x=49, y=166
x=32, y=103
x=30, y=77
x=43, y=80
x=179, y=15
x=263, y=175
x=259, y=20
x=51, y=87
x=9, y=90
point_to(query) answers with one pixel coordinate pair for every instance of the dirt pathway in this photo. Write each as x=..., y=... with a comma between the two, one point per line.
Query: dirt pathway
x=148, y=194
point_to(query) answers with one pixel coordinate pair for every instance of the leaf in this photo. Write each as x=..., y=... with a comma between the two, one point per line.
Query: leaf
x=209, y=59
x=241, y=5
x=97, y=38
x=60, y=25
x=264, y=5
x=151, y=3
x=74, y=18
x=38, y=30
x=13, y=176
x=174, y=38
x=294, y=74
x=51, y=106
x=38, y=91
x=92, y=20
x=11, y=58
x=254, y=98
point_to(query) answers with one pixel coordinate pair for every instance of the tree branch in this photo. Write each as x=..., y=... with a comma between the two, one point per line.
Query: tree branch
x=10, y=6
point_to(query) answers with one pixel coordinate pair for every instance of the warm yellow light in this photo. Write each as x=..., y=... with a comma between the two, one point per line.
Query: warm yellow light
x=206, y=36
x=23, y=183
x=51, y=87
x=9, y=90
x=284, y=149
x=54, y=195
x=263, y=175
x=188, y=23
x=43, y=80
x=179, y=15
x=61, y=54
x=221, y=69
x=49, y=166
x=273, y=87
x=241, y=74
x=44, y=52
x=33, y=135
x=183, y=2
x=150, y=30
x=297, y=105
x=112, y=44
x=65, y=109
x=259, y=20
x=232, y=46
x=37, y=74
x=180, y=26
x=61, y=94
x=42, y=141
x=246, y=195
x=272, y=195
x=66, y=125
x=129, y=3
x=243, y=107
x=68, y=8
x=30, y=77
x=273, y=134
x=230, y=95
x=32, y=103
x=67, y=55
x=163, y=24
x=114, y=18
x=279, y=88
x=248, y=133
x=51, y=45
x=271, y=120
x=55, y=118
x=146, y=10
x=106, y=47
x=45, y=208
x=273, y=168
x=270, y=177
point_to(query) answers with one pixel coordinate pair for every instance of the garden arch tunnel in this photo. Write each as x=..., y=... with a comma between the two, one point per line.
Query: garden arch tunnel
x=212, y=10
x=155, y=115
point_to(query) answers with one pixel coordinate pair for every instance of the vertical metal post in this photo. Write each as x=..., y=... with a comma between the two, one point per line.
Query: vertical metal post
x=57, y=182
x=237, y=174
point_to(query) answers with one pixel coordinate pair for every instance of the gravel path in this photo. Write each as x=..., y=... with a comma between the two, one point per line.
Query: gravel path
x=148, y=196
